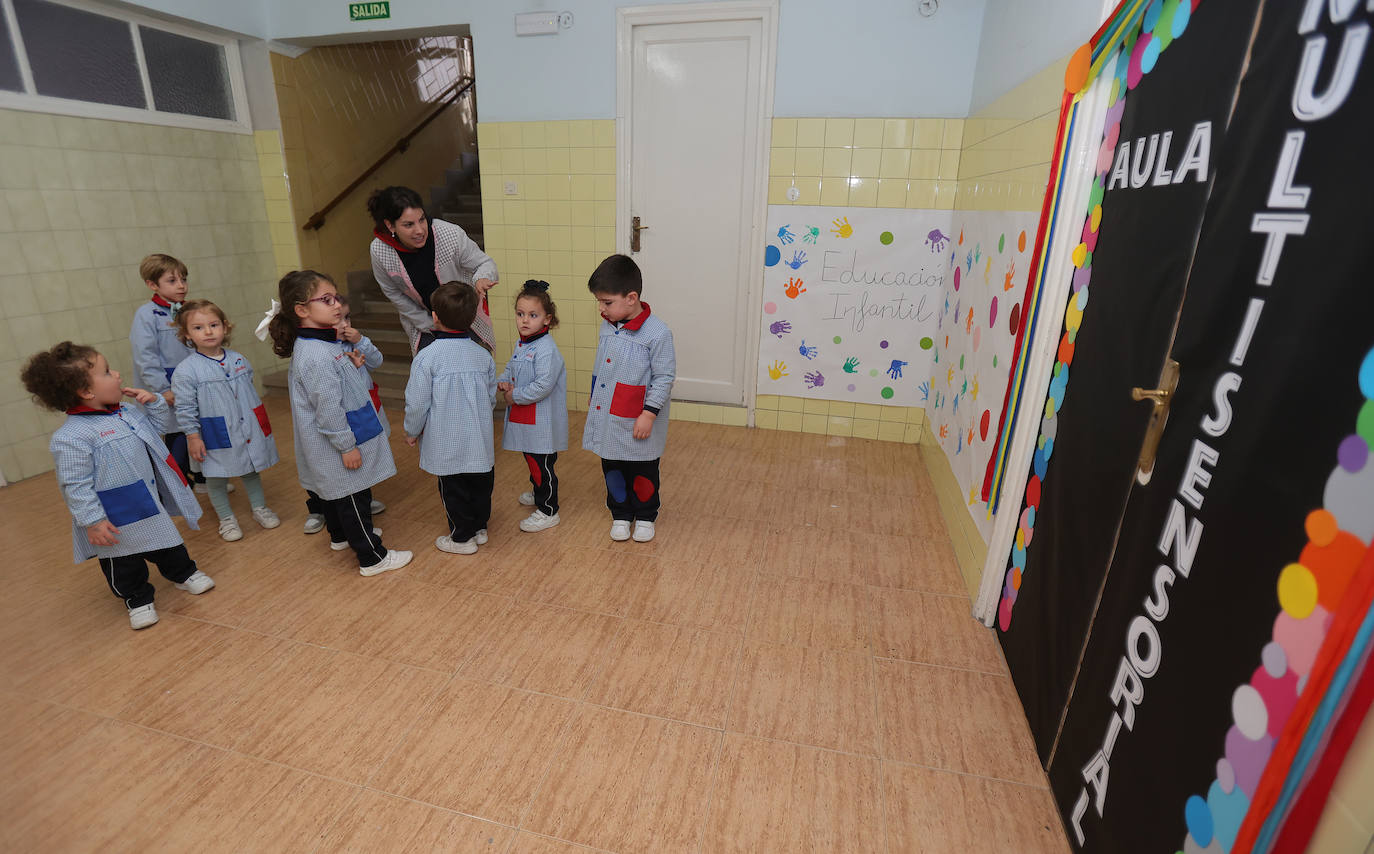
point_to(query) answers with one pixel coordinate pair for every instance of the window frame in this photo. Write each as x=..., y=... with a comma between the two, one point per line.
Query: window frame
x=29, y=100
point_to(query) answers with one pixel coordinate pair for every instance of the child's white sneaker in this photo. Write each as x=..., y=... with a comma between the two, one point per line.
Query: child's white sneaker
x=377, y=507
x=537, y=521
x=343, y=544
x=481, y=537
x=197, y=584
x=143, y=616
x=644, y=531
x=394, y=560
x=265, y=517
x=314, y=523
x=620, y=530
x=445, y=543
x=526, y=498
x=229, y=530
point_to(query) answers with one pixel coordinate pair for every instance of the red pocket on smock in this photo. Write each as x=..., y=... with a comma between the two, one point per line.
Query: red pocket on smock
x=261, y=411
x=522, y=413
x=628, y=400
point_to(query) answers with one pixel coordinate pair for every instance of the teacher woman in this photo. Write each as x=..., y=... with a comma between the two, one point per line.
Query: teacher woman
x=412, y=256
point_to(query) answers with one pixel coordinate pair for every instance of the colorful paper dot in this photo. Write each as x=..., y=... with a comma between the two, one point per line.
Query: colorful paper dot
x=1321, y=527
x=836, y=339
x=1251, y=717
x=1199, y=820
x=1226, y=776
x=885, y=238
x=873, y=372
x=887, y=392
x=1274, y=660
x=1001, y=243
x=1297, y=591
x=770, y=308
x=1021, y=242
x=771, y=256
x=852, y=386
x=926, y=343
x=1352, y=453
x=883, y=344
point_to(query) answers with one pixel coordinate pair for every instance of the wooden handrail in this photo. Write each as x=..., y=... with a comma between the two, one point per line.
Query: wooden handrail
x=459, y=88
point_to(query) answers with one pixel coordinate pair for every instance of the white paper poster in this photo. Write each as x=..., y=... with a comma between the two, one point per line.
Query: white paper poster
x=851, y=300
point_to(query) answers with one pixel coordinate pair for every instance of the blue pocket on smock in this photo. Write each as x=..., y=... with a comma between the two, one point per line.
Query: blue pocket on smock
x=129, y=503
x=364, y=423
x=214, y=432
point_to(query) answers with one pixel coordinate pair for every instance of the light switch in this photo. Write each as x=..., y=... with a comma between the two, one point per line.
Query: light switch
x=511, y=189
x=536, y=24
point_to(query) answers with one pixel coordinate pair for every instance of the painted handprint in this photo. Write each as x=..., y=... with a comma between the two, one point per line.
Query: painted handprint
x=974, y=389
x=895, y=369
x=925, y=391
x=937, y=240
x=968, y=325
x=784, y=236
x=807, y=352
x=812, y=234
x=944, y=431
x=798, y=259
x=777, y=370
x=842, y=228
x=780, y=327
x=949, y=377
x=793, y=288
x=1011, y=273
x=851, y=364
x=968, y=261
x=814, y=379
x=987, y=270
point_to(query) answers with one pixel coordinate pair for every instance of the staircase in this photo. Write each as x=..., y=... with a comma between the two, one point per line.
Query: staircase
x=459, y=201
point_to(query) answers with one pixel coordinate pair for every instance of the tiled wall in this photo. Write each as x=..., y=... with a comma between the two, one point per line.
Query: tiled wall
x=560, y=223
x=83, y=201
x=1004, y=163
x=341, y=108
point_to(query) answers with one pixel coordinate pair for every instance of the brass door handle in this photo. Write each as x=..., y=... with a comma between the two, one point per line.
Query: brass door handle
x=635, y=229
x=1160, y=399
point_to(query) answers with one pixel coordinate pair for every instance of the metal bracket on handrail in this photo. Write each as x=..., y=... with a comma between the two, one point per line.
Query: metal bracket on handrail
x=459, y=88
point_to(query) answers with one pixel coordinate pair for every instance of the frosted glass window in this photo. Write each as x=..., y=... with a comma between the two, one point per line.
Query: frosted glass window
x=187, y=75
x=9, y=63
x=80, y=55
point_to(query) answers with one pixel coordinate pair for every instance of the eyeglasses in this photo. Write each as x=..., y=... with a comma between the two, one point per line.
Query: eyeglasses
x=327, y=299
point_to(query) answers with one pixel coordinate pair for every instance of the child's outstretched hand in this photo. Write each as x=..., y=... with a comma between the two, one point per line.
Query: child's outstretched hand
x=353, y=459
x=102, y=533
x=138, y=394
x=357, y=358
x=412, y=440
x=644, y=425
x=195, y=446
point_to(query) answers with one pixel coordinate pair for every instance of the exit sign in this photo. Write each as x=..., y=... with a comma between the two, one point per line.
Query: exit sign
x=368, y=11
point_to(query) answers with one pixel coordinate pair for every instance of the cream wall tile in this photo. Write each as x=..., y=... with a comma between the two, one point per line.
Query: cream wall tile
x=810, y=133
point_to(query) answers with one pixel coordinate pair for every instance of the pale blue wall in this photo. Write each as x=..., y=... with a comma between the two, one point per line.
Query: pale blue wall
x=867, y=58
x=1020, y=37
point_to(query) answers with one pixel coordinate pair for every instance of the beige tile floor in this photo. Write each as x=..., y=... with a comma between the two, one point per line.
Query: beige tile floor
x=788, y=667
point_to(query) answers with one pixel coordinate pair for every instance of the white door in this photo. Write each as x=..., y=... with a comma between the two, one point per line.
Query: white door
x=695, y=125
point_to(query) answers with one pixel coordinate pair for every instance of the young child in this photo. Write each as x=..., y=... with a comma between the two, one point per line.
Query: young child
x=155, y=346
x=340, y=450
x=448, y=411
x=226, y=425
x=116, y=476
x=627, y=415
x=366, y=357
x=535, y=383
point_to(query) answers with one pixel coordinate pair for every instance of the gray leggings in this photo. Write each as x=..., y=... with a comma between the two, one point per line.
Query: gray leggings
x=219, y=493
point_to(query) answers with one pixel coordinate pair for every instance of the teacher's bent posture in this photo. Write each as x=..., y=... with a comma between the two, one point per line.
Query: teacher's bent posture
x=412, y=256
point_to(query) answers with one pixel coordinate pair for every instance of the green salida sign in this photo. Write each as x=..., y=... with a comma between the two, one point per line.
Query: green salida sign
x=368, y=11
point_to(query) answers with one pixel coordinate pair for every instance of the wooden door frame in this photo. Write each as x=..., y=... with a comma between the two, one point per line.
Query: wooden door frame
x=766, y=12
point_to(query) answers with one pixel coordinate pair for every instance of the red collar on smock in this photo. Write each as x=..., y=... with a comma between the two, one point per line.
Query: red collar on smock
x=633, y=325
x=91, y=410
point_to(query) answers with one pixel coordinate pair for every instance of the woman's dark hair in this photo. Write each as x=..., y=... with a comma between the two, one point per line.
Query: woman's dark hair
x=295, y=288
x=57, y=377
x=191, y=306
x=538, y=290
x=389, y=202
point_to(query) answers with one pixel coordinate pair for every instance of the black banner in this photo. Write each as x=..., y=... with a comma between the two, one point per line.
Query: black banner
x=1153, y=195
x=1275, y=321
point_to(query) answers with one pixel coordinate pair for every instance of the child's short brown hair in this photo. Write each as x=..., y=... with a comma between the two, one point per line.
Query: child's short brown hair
x=157, y=265
x=618, y=275
x=455, y=304
x=536, y=289
x=201, y=305
x=57, y=377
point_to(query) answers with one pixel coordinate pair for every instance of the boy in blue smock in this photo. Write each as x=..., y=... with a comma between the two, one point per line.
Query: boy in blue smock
x=627, y=416
x=154, y=344
x=116, y=476
x=449, y=413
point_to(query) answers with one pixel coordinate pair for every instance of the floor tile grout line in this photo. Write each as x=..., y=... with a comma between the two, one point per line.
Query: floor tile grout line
x=878, y=723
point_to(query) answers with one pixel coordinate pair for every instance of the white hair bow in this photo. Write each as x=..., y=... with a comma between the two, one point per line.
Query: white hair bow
x=272, y=312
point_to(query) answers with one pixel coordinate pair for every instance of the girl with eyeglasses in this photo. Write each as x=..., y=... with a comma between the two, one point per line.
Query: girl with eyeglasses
x=341, y=449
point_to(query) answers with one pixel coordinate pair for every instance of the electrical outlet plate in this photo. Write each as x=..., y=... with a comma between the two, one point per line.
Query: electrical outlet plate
x=511, y=188
x=536, y=24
